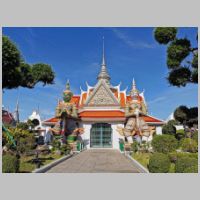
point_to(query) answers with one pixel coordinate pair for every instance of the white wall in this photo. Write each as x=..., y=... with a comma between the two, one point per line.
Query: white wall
x=159, y=130
x=115, y=135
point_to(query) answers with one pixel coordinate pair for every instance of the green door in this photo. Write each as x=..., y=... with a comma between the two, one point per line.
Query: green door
x=101, y=135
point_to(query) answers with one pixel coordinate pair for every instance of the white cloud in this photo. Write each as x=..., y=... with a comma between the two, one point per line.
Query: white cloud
x=133, y=44
x=156, y=100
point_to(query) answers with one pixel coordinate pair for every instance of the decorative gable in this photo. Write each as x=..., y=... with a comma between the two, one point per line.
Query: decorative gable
x=102, y=95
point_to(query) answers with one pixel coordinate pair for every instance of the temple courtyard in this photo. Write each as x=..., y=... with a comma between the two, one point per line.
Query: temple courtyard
x=96, y=161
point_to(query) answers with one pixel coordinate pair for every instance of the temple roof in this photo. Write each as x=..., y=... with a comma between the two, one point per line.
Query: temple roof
x=106, y=114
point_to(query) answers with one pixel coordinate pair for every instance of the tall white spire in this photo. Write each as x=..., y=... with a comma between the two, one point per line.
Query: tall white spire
x=103, y=74
x=103, y=57
x=17, y=109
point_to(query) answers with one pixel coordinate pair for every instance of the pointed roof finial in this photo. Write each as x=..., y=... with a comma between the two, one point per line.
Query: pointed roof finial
x=133, y=81
x=68, y=85
x=103, y=74
x=103, y=57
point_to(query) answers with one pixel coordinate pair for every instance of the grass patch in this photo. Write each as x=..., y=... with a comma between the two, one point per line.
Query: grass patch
x=142, y=158
x=26, y=164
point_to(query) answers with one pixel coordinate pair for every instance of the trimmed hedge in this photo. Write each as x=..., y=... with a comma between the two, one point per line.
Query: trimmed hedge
x=159, y=163
x=164, y=143
x=173, y=156
x=169, y=129
x=186, y=164
x=193, y=169
x=180, y=134
x=189, y=145
x=10, y=164
x=134, y=146
x=195, y=136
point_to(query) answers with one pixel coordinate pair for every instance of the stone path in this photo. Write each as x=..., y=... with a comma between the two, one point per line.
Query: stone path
x=96, y=161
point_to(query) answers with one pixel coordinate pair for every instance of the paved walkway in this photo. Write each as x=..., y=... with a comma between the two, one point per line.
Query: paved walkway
x=96, y=161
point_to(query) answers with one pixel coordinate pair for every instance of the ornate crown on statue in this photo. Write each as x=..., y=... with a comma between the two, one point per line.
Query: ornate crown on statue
x=66, y=107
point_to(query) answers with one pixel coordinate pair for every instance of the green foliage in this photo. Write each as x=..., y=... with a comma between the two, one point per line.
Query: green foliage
x=181, y=114
x=192, y=169
x=193, y=116
x=35, y=122
x=56, y=144
x=43, y=73
x=159, y=163
x=65, y=148
x=169, y=129
x=178, y=50
x=180, y=134
x=195, y=61
x=186, y=116
x=164, y=143
x=173, y=156
x=164, y=35
x=134, y=146
x=189, y=145
x=10, y=64
x=179, y=77
x=23, y=126
x=181, y=71
x=195, y=136
x=10, y=164
x=194, y=77
x=26, y=144
x=173, y=122
x=17, y=73
x=184, y=162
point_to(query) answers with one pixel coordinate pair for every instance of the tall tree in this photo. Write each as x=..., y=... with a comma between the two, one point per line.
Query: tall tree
x=16, y=73
x=186, y=116
x=182, y=58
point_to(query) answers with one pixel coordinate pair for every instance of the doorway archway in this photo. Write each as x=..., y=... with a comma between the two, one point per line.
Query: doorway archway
x=101, y=135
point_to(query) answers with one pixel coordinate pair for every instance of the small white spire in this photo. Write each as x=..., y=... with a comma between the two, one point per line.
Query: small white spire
x=17, y=109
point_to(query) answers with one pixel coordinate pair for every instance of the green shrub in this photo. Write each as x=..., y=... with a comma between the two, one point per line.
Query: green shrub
x=173, y=122
x=193, y=169
x=56, y=144
x=134, y=146
x=25, y=144
x=65, y=148
x=195, y=136
x=189, y=145
x=10, y=164
x=185, y=162
x=173, y=156
x=159, y=163
x=169, y=129
x=164, y=143
x=23, y=125
x=180, y=134
x=192, y=155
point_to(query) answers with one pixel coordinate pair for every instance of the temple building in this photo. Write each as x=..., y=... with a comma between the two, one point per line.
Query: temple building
x=103, y=108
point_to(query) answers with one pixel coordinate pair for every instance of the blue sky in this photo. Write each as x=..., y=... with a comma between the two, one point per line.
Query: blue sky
x=76, y=53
